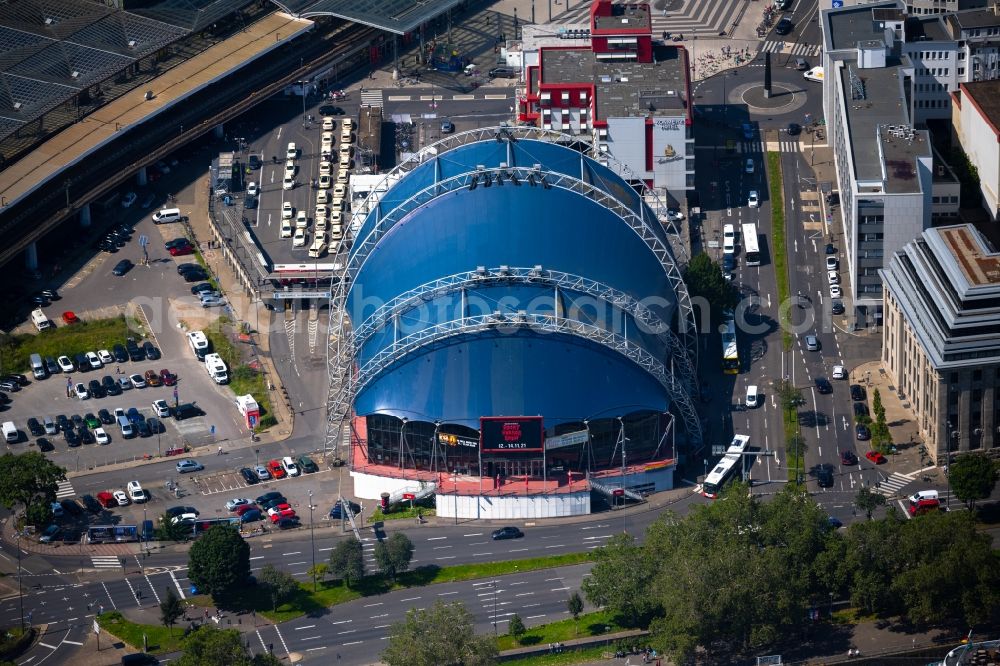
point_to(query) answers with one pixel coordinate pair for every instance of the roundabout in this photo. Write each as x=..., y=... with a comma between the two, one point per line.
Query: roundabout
x=785, y=98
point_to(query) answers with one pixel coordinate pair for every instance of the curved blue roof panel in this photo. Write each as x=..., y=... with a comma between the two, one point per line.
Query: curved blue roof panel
x=561, y=378
x=508, y=226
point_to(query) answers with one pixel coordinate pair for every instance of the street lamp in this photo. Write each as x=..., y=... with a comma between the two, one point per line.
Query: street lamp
x=312, y=537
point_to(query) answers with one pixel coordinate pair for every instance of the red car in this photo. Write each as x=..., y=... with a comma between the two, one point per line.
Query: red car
x=923, y=506
x=168, y=378
x=277, y=471
x=106, y=499
x=70, y=317
x=277, y=508
x=181, y=251
x=285, y=513
x=240, y=510
x=875, y=457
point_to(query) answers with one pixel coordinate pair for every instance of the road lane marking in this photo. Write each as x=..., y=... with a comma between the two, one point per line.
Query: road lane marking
x=410, y=599
x=308, y=626
x=109, y=595
x=177, y=585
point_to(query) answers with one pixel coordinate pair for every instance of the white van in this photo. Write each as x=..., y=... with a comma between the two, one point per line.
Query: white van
x=198, y=343
x=126, y=427
x=728, y=238
x=318, y=248
x=923, y=495
x=135, y=492
x=753, y=397
x=168, y=215
x=39, y=319
x=815, y=75
x=10, y=433
x=37, y=367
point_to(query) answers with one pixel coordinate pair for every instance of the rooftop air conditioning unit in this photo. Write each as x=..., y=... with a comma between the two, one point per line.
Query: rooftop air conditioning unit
x=17, y=106
x=49, y=21
x=132, y=43
x=75, y=74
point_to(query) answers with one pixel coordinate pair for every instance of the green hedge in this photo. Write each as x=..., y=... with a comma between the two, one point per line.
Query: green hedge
x=778, y=240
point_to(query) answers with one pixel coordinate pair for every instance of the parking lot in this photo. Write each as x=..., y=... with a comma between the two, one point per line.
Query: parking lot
x=166, y=305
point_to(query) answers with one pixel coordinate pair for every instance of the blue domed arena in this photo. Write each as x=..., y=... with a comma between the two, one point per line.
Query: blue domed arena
x=512, y=334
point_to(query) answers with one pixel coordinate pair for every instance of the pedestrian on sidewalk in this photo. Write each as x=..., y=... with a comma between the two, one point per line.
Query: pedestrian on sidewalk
x=220, y=449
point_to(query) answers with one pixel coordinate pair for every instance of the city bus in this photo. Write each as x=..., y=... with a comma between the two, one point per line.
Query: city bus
x=730, y=353
x=723, y=470
x=751, y=251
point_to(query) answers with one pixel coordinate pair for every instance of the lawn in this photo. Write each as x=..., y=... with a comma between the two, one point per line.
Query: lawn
x=597, y=623
x=91, y=335
x=400, y=514
x=778, y=240
x=158, y=639
x=332, y=593
x=568, y=656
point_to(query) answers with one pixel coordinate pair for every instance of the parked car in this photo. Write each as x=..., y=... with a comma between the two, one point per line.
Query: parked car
x=863, y=434
x=307, y=465
x=101, y=436
x=92, y=504
x=35, y=428
x=857, y=392
x=276, y=470
x=91, y=420
x=237, y=502
x=248, y=475
x=70, y=317
x=137, y=381
x=96, y=389
x=152, y=378
x=168, y=378
x=336, y=511
x=65, y=364
x=154, y=425
x=120, y=354
x=106, y=499
x=161, y=408
x=262, y=473
x=266, y=497
x=122, y=267
x=121, y=498
x=243, y=508
x=50, y=534
x=152, y=353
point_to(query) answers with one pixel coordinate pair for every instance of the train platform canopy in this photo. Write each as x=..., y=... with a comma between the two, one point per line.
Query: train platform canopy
x=50, y=51
x=396, y=16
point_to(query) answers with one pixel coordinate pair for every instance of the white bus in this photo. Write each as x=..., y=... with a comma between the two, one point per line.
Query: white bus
x=730, y=350
x=720, y=474
x=751, y=251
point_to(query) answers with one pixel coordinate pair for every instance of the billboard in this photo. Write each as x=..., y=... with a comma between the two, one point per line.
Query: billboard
x=509, y=434
x=447, y=439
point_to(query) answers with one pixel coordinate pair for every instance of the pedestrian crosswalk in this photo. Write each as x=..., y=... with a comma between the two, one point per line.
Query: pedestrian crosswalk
x=703, y=18
x=106, y=561
x=373, y=98
x=788, y=146
x=64, y=489
x=799, y=50
x=893, y=484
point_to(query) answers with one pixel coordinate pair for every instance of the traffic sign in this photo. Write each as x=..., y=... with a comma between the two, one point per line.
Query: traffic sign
x=253, y=420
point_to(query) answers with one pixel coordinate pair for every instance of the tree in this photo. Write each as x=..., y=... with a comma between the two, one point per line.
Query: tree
x=171, y=610
x=30, y=480
x=318, y=573
x=704, y=280
x=281, y=585
x=347, y=561
x=877, y=407
x=442, y=635
x=619, y=580
x=868, y=501
x=220, y=647
x=219, y=562
x=516, y=627
x=972, y=477
x=393, y=555
x=575, y=606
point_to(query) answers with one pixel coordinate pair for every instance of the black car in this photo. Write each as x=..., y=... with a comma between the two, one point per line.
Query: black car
x=122, y=267
x=837, y=307
x=154, y=425
x=96, y=389
x=4, y=398
x=40, y=300
x=105, y=416
x=271, y=503
x=248, y=475
x=288, y=523
x=862, y=432
x=506, y=533
x=830, y=249
x=254, y=162
x=824, y=476
x=92, y=504
x=50, y=294
x=85, y=435
x=35, y=428
x=44, y=445
x=187, y=411
x=195, y=276
x=120, y=354
x=793, y=129
x=52, y=366
x=15, y=377
x=860, y=409
x=187, y=268
x=847, y=457
x=502, y=73
x=152, y=353
x=63, y=422
x=72, y=439
x=177, y=242
x=144, y=430
x=77, y=420
x=71, y=507
x=823, y=385
x=327, y=110
x=199, y=288
x=857, y=392
x=135, y=352
x=81, y=362
x=267, y=497
x=784, y=26
x=337, y=510
x=109, y=385
x=107, y=246
x=250, y=202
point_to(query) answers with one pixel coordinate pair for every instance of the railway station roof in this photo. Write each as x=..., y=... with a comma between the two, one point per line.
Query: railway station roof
x=396, y=16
